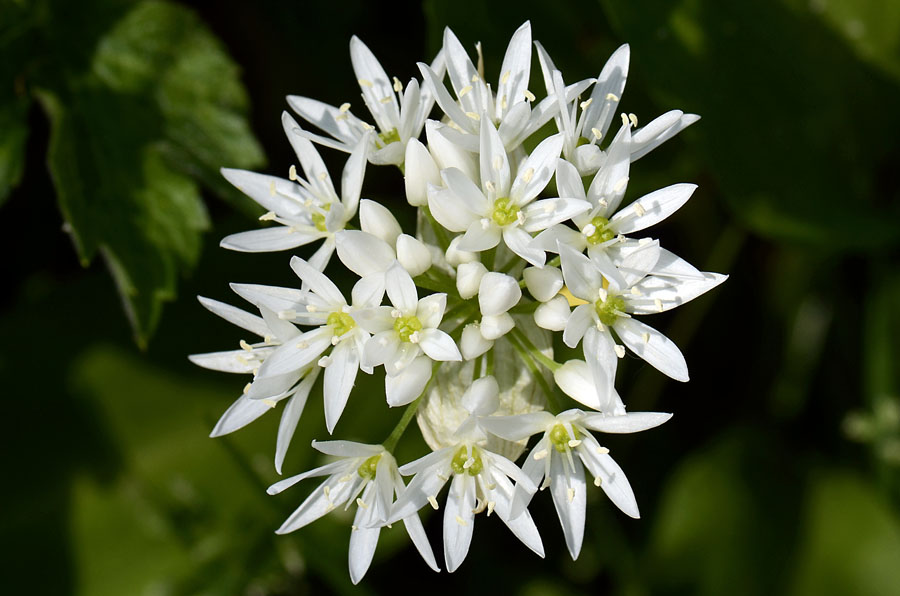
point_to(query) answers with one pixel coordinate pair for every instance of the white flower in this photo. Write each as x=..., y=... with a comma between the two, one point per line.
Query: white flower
x=367, y=476
x=293, y=388
x=597, y=113
x=308, y=210
x=406, y=338
x=552, y=460
x=399, y=114
x=601, y=231
x=481, y=482
x=502, y=208
x=510, y=111
x=337, y=329
x=611, y=306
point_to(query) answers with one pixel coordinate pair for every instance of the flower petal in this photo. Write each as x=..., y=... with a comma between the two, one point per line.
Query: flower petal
x=553, y=315
x=290, y=416
x=570, y=500
x=654, y=347
x=631, y=422
x=652, y=208
x=241, y=413
x=409, y=383
x=438, y=345
x=376, y=219
x=497, y=293
x=340, y=375
x=520, y=242
x=362, y=253
x=459, y=521
x=540, y=215
x=536, y=171
x=318, y=282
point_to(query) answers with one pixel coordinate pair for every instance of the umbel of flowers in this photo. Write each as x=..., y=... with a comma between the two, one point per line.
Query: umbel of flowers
x=461, y=311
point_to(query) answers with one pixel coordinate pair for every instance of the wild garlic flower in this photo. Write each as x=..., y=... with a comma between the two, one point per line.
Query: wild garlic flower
x=556, y=461
x=442, y=306
x=406, y=338
x=306, y=209
x=399, y=113
x=585, y=133
x=503, y=208
x=337, y=329
x=364, y=475
x=480, y=482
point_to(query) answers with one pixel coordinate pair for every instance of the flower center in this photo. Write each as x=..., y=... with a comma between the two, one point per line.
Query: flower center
x=367, y=468
x=608, y=310
x=318, y=219
x=505, y=212
x=340, y=323
x=386, y=138
x=406, y=326
x=462, y=463
x=601, y=233
x=560, y=438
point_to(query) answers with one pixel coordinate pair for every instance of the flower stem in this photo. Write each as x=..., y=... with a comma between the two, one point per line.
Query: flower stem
x=552, y=403
x=391, y=442
x=535, y=353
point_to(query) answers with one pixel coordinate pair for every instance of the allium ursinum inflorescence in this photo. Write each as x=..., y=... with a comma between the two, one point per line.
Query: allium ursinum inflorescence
x=463, y=312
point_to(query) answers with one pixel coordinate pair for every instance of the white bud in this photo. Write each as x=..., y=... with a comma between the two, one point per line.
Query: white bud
x=457, y=257
x=496, y=326
x=468, y=279
x=420, y=171
x=376, y=219
x=553, y=315
x=497, y=293
x=413, y=254
x=472, y=344
x=447, y=154
x=544, y=283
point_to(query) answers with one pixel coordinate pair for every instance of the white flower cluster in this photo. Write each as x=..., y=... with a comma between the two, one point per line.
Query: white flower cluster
x=459, y=339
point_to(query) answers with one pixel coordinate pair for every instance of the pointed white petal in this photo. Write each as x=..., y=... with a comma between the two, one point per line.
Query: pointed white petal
x=652, y=208
x=632, y=422
x=430, y=310
x=654, y=347
x=340, y=375
x=570, y=500
x=536, y=171
x=297, y=353
x=417, y=534
x=272, y=193
x=575, y=379
x=612, y=478
x=468, y=279
x=438, y=345
x=363, y=542
x=581, y=319
x=496, y=326
x=495, y=175
x=290, y=417
x=540, y=215
x=481, y=235
x=581, y=276
x=268, y=239
x=459, y=521
x=472, y=343
x=409, y=384
x=318, y=282
x=516, y=428
x=520, y=242
x=236, y=316
x=481, y=398
x=401, y=289
x=241, y=413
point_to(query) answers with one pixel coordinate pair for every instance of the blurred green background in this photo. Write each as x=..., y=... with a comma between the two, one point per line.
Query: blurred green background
x=780, y=472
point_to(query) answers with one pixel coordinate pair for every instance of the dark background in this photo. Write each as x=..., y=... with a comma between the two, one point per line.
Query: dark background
x=779, y=471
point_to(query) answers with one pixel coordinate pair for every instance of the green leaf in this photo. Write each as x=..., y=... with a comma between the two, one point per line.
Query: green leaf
x=13, y=134
x=788, y=126
x=160, y=106
x=851, y=541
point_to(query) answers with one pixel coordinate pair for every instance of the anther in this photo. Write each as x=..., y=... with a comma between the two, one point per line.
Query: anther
x=461, y=521
x=247, y=388
x=505, y=77
x=528, y=95
x=612, y=97
x=465, y=91
x=539, y=455
x=659, y=304
x=345, y=107
x=292, y=172
x=361, y=503
x=246, y=346
x=528, y=174
x=620, y=350
x=633, y=119
x=398, y=86
x=597, y=133
x=585, y=104
x=639, y=209
x=433, y=502
x=364, y=83
x=272, y=190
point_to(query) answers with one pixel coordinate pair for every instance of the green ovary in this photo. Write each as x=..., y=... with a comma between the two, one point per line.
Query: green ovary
x=340, y=323
x=560, y=438
x=458, y=463
x=318, y=219
x=386, y=138
x=505, y=212
x=368, y=467
x=608, y=310
x=406, y=326
x=601, y=232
